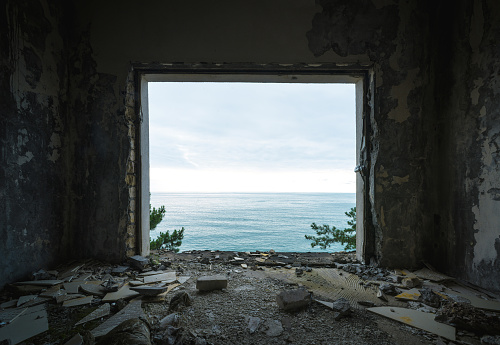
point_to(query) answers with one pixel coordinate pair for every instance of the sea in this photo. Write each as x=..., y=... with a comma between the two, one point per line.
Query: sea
x=251, y=221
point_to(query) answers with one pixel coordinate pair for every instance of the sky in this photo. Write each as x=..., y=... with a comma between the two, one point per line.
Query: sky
x=252, y=137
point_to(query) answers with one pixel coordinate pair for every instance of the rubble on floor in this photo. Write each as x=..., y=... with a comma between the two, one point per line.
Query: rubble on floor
x=212, y=297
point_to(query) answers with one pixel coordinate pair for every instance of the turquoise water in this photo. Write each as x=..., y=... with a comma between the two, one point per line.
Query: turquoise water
x=251, y=221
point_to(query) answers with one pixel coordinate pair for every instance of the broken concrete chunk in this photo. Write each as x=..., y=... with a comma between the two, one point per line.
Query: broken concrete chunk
x=102, y=311
x=428, y=297
x=66, y=297
x=293, y=299
x=388, y=289
x=134, y=331
x=139, y=262
x=411, y=282
x=434, y=276
x=25, y=299
x=342, y=307
x=209, y=283
x=123, y=293
x=253, y=323
x=93, y=288
x=466, y=317
x=180, y=298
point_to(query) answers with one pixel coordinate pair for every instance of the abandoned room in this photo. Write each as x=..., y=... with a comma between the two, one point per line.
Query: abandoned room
x=74, y=175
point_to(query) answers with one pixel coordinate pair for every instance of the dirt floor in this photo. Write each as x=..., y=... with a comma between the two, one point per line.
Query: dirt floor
x=246, y=311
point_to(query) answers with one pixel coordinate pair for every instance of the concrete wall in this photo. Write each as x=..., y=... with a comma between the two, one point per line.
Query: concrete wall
x=34, y=180
x=469, y=142
x=433, y=138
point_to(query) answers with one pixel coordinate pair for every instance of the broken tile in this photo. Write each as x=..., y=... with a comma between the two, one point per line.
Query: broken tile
x=273, y=328
x=24, y=299
x=102, y=311
x=93, y=288
x=208, y=283
x=123, y=293
x=73, y=287
x=67, y=297
x=150, y=290
x=183, y=279
x=53, y=292
x=78, y=301
x=160, y=297
x=83, y=277
x=136, y=283
x=38, y=300
x=417, y=319
x=150, y=273
x=32, y=322
x=132, y=310
x=342, y=307
x=9, y=304
x=70, y=272
x=168, y=277
x=476, y=301
x=10, y=315
x=410, y=295
x=119, y=269
x=76, y=340
x=40, y=282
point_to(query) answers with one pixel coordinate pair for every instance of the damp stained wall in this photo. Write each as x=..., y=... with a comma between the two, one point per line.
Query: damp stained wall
x=33, y=120
x=432, y=137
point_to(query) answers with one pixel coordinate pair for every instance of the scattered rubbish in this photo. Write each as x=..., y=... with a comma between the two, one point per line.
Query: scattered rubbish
x=273, y=328
x=293, y=299
x=410, y=295
x=417, y=319
x=466, y=317
x=168, y=277
x=209, y=283
x=131, y=311
x=102, y=311
x=133, y=331
x=32, y=322
x=78, y=301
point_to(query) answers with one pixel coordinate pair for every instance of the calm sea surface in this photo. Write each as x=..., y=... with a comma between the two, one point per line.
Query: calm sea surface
x=251, y=221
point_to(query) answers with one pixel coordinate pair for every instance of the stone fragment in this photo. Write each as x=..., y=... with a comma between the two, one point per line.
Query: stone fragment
x=366, y=303
x=123, y=293
x=293, y=299
x=135, y=331
x=209, y=283
x=299, y=272
x=32, y=322
x=428, y=297
x=388, y=289
x=119, y=269
x=93, y=288
x=411, y=282
x=150, y=290
x=245, y=266
x=9, y=304
x=25, y=299
x=253, y=323
x=273, y=328
x=139, y=262
x=341, y=307
x=169, y=320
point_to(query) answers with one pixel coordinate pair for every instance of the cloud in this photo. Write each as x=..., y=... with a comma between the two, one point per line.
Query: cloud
x=243, y=127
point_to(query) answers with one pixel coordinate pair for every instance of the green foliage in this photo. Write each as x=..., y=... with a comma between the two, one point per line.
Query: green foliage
x=155, y=216
x=327, y=236
x=167, y=241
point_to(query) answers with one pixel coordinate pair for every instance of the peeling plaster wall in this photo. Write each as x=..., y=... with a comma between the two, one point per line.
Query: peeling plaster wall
x=33, y=82
x=469, y=120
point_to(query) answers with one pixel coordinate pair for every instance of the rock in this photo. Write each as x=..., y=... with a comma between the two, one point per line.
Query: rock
x=342, y=308
x=273, y=328
x=169, y=320
x=490, y=340
x=411, y=282
x=131, y=332
x=139, y=262
x=180, y=298
x=299, y=272
x=388, y=289
x=253, y=323
x=293, y=299
x=209, y=283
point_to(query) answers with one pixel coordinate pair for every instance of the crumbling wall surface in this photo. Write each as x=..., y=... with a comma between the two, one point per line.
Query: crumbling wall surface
x=469, y=112
x=393, y=37
x=33, y=210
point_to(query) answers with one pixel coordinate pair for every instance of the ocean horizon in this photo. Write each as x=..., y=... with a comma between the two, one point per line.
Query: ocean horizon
x=251, y=221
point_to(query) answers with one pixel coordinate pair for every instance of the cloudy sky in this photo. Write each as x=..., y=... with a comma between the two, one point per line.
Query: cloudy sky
x=252, y=137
